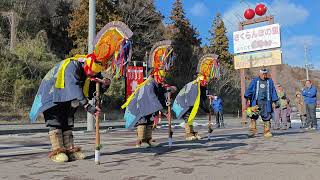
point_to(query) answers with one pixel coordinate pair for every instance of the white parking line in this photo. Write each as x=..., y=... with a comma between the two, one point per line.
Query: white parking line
x=181, y=134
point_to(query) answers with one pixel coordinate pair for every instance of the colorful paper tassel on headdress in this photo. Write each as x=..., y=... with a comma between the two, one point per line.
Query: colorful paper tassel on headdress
x=161, y=55
x=113, y=46
x=209, y=67
x=160, y=59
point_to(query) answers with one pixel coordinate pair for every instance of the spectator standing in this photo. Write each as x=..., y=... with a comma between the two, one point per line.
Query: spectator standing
x=310, y=99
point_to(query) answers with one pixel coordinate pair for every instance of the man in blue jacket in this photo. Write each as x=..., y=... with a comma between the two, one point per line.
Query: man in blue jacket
x=310, y=99
x=261, y=92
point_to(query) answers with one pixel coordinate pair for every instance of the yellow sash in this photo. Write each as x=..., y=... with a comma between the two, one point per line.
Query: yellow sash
x=85, y=89
x=60, y=75
x=195, y=106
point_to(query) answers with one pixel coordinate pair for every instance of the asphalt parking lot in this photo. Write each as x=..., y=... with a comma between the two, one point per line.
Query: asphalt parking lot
x=229, y=154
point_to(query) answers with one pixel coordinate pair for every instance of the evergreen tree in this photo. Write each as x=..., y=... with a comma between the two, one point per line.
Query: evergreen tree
x=219, y=43
x=61, y=44
x=184, y=29
x=186, y=46
x=145, y=22
x=228, y=86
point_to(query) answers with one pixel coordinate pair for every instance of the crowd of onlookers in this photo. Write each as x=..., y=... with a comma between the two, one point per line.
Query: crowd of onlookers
x=271, y=103
x=304, y=106
x=305, y=103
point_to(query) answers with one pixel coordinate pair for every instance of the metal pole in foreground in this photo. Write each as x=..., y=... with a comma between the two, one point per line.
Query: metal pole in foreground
x=91, y=35
x=273, y=69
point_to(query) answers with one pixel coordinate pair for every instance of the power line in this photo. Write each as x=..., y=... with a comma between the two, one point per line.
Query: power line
x=271, y=9
x=236, y=12
x=231, y=23
x=239, y=20
x=243, y=1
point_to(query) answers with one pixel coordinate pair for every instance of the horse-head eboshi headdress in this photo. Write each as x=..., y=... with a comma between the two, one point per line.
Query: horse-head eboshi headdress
x=161, y=59
x=208, y=68
x=112, y=47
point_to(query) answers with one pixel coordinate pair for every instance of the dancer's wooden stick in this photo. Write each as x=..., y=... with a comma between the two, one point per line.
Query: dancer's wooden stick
x=170, y=133
x=209, y=120
x=98, y=145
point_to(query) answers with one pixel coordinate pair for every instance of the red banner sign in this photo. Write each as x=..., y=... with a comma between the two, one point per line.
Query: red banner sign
x=134, y=78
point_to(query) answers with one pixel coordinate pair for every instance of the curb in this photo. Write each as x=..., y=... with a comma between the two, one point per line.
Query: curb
x=45, y=129
x=82, y=128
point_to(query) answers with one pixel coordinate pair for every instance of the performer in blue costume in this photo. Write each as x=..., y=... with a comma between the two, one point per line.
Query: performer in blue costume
x=261, y=92
x=71, y=83
x=150, y=96
x=60, y=93
x=194, y=94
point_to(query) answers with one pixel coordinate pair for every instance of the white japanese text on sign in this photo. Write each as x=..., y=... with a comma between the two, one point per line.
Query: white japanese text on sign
x=254, y=39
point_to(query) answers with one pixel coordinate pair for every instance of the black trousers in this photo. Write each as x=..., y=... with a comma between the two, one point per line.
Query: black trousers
x=265, y=115
x=146, y=120
x=60, y=116
x=219, y=117
x=185, y=117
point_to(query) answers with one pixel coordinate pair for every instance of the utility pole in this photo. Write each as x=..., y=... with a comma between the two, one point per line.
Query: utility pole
x=91, y=36
x=306, y=60
x=13, y=33
x=14, y=20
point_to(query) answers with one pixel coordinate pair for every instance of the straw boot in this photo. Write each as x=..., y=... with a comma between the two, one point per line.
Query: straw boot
x=148, y=138
x=73, y=152
x=141, y=134
x=266, y=131
x=190, y=136
x=58, y=151
x=252, y=128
